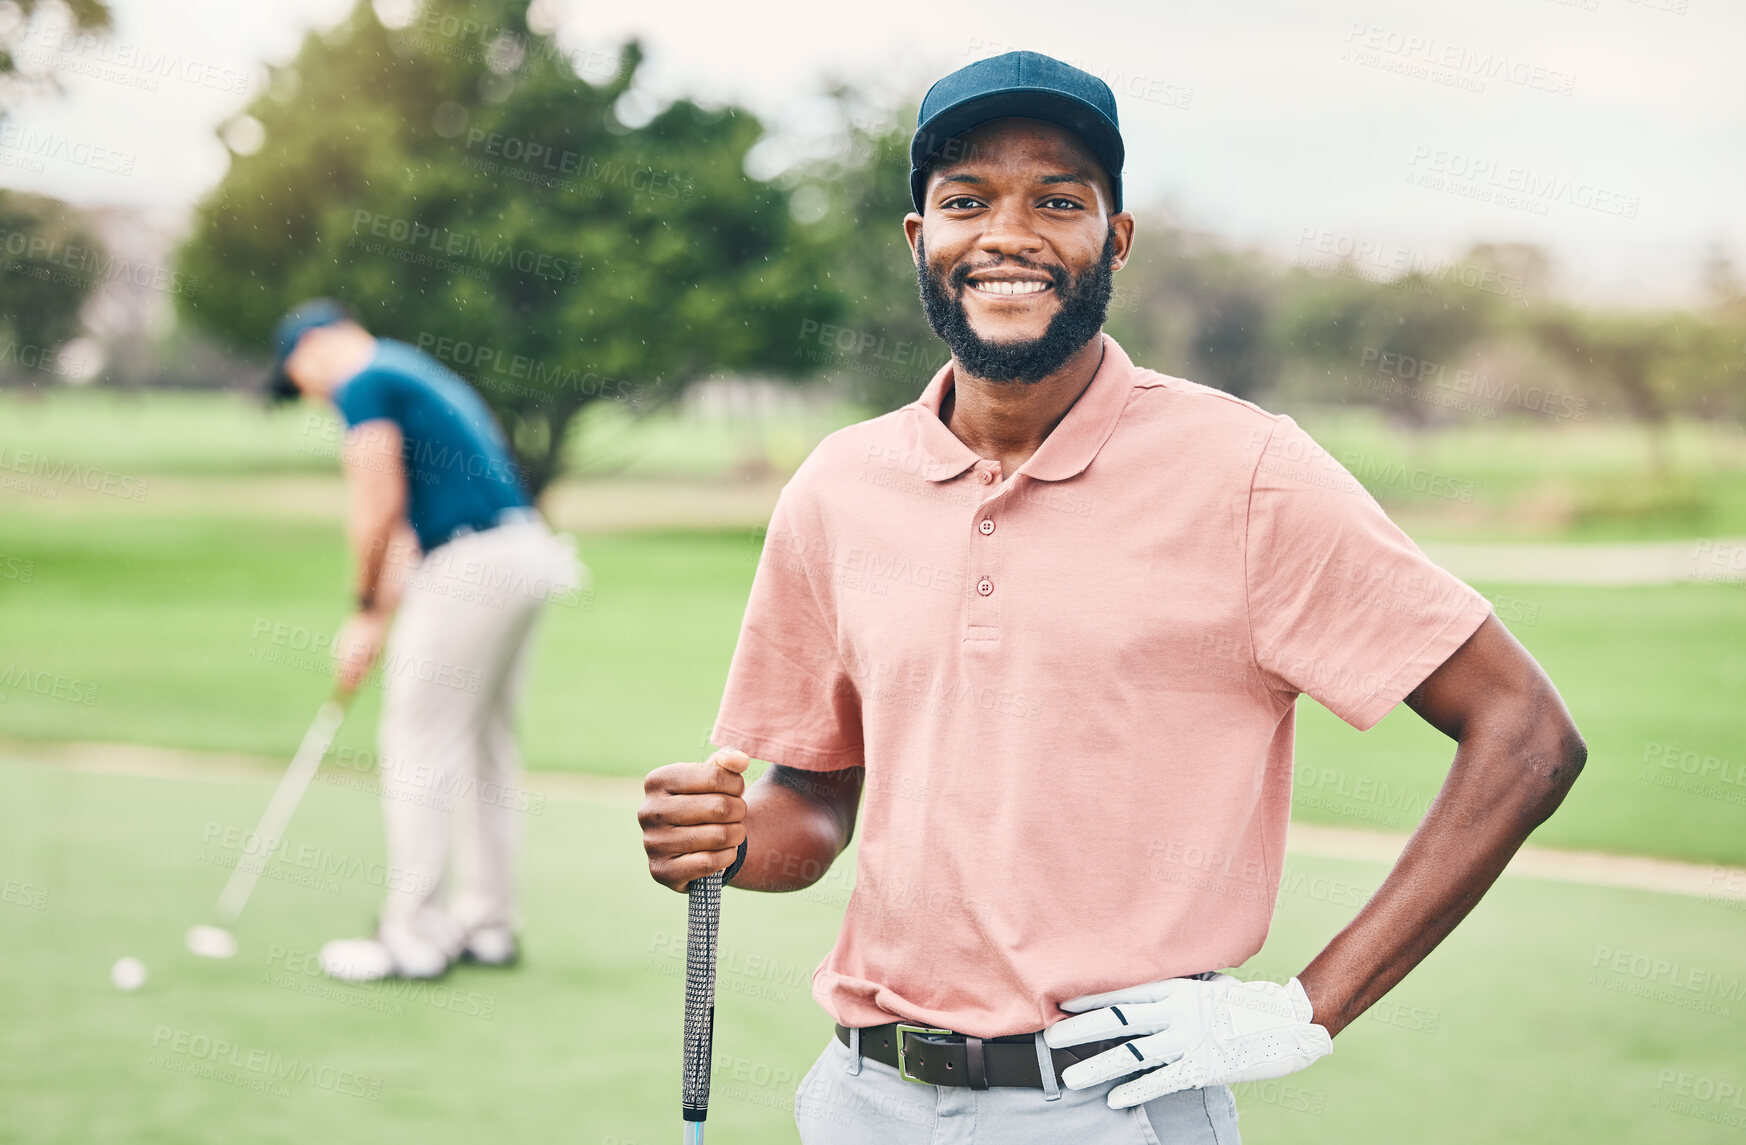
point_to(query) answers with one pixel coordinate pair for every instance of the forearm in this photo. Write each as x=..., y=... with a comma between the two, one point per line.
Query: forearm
x=371, y=527
x=795, y=829
x=1496, y=794
x=401, y=558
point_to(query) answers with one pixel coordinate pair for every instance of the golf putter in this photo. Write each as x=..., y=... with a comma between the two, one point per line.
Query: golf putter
x=703, y=918
x=217, y=941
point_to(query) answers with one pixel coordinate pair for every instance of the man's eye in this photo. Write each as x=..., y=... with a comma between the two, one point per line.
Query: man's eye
x=960, y=203
x=1058, y=203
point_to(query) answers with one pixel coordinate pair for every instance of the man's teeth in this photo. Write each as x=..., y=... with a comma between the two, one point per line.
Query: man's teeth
x=1008, y=287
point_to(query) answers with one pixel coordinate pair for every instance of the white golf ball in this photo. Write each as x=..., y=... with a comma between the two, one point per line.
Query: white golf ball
x=211, y=942
x=128, y=973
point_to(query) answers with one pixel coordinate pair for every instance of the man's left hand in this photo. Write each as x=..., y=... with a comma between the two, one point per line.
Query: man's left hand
x=360, y=642
x=1202, y=1032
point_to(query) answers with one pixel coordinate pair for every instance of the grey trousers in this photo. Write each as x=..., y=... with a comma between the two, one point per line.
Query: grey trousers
x=450, y=771
x=846, y=1100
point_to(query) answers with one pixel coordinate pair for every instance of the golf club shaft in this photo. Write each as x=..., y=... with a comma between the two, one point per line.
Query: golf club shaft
x=703, y=918
x=277, y=816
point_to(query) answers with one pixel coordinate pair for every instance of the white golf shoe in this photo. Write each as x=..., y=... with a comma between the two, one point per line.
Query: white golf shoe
x=491, y=946
x=372, y=959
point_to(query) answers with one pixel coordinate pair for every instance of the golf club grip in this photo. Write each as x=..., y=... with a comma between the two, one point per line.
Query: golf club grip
x=703, y=917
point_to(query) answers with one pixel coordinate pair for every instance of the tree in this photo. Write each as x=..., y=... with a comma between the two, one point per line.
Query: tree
x=467, y=190
x=46, y=249
x=1403, y=338
x=23, y=23
x=883, y=348
x=46, y=252
x=1198, y=307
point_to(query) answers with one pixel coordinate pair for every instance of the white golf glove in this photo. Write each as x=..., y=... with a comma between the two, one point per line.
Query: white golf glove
x=1203, y=1032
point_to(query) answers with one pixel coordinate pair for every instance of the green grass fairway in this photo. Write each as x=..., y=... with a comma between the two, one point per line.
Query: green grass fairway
x=204, y=634
x=1510, y=1033
x=1586, y=480
x=198, y=618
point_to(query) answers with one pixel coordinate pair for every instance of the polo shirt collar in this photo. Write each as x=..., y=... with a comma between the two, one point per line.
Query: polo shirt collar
x=1067, y=450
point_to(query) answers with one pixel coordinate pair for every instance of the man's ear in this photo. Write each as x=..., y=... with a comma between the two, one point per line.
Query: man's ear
x=1122, y=224
x=912, y=224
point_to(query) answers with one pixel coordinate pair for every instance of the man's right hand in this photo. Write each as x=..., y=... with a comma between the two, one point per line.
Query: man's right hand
x=694, y=817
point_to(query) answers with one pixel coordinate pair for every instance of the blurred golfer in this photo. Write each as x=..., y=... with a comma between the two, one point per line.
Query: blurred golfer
x=428, y=472
x=1055, y=616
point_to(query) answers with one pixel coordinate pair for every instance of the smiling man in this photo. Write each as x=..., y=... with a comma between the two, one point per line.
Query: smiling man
x=1051, y=621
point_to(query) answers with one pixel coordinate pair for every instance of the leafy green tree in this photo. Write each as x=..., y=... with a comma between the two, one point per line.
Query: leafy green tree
x=1187, y=303
x=473, y=188
x=882, y=348
x=1386, y=342
x=46, y=251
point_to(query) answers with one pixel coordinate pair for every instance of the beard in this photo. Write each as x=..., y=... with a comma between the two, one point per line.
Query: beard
x=1084, y=307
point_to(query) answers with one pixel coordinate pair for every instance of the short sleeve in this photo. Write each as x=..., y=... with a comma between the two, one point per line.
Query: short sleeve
x=1343, y=607
x=366, y=396
x=789, y=699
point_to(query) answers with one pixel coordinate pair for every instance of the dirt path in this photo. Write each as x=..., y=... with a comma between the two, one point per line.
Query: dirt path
x=1632, y=872
x=1638, y=563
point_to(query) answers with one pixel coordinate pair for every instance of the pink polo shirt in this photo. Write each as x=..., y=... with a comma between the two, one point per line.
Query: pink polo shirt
x=1072, y=690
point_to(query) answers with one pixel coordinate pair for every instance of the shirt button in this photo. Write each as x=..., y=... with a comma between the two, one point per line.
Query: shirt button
x=985, y=586
x=987, y=526
x=984, y=476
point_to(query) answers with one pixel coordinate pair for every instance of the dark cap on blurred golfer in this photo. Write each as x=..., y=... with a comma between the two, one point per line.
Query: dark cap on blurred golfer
x=299, y=320
x=1021, y=85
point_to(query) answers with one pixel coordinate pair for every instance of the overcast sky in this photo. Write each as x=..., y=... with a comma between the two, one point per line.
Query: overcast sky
x=1611, y=131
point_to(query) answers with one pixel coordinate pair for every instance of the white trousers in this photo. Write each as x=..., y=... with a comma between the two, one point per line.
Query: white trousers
x=450, y=771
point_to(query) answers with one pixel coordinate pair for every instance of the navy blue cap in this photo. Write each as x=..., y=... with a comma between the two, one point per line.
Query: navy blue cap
x=1022, y=85
x=301, y=319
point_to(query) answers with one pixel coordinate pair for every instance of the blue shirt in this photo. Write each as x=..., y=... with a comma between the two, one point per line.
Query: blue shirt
x=459, y=472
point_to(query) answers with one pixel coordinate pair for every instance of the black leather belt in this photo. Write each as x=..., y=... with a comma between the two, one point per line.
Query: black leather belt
x=942, y=1057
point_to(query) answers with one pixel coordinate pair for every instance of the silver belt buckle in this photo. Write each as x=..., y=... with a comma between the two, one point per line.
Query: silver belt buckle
x=902, y=1062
